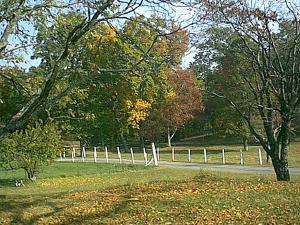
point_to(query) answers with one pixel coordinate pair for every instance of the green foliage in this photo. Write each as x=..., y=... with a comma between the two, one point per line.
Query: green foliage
x=109, y=61
x=11, y=93
x=223, y=66
x=30, y=149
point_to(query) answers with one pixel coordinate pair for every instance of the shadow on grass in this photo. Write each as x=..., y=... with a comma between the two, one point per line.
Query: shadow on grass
x=17, y=207
x=7, y=182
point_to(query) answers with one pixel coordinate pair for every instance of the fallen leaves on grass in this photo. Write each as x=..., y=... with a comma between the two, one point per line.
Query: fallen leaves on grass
x=198, y=201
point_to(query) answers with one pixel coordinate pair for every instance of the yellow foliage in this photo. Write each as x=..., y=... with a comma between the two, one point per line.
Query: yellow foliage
x=138, y=112
x=96, y=36
x=170, y=94
x=90, y=45
x=128, y=104
x=107, y=34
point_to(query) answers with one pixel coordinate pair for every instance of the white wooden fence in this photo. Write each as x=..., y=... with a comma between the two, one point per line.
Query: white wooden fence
x=150, y=156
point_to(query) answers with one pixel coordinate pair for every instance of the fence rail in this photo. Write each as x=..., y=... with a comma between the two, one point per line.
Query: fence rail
x=154, y=155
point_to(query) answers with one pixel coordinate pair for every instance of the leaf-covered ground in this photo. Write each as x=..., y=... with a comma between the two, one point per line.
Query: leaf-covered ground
x=204, y=199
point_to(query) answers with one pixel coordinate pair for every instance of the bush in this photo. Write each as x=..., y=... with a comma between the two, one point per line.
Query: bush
x=30, y=149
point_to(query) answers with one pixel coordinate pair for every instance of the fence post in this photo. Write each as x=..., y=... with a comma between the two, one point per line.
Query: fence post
x=106, y=154
x=157, y=150
x=83, y=155
x=95, y=154
x=189, y=154
x=145, y=156
x=223, y=156
x=173, y=154
x=205, y=155
x=154, y=154
x=119, y=155
x=61, y=157
x=241, y=157
x=259, y=157
x=64, y=154
x=132, y=156
x=73, y=154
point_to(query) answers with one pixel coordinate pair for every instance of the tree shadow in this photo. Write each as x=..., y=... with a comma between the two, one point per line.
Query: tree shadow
x=7, y=182
x=17, y=206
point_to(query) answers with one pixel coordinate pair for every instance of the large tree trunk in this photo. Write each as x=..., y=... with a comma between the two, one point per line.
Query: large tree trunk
x=281, y=169
x=280, y=157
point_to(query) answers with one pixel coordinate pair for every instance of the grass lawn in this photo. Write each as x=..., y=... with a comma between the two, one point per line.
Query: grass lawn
x=87, y=193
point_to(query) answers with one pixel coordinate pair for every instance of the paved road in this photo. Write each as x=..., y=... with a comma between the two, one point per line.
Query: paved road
x=198, y=166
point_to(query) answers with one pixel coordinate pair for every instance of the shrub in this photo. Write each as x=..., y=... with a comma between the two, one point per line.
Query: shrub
x=30, y=149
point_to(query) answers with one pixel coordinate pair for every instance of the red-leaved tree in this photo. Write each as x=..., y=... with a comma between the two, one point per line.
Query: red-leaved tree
x=182, y=102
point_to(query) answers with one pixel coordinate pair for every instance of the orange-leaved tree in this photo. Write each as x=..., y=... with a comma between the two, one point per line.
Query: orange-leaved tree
x=183, y=101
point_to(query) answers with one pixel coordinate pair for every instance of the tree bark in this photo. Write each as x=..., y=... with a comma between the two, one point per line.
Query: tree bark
x=30, y=174
x=281, y=169
x=169, y=138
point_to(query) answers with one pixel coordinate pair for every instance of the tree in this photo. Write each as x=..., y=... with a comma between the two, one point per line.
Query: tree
x=221, y=65
x=269, y=37
x=30, y=149
x=166, y=52
x=182, y=102
x=21, y=20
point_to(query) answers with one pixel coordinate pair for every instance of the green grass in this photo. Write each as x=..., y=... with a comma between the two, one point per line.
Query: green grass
x=66, y=177
x=88, y=193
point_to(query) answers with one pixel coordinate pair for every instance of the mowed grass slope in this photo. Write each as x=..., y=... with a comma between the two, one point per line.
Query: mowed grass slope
x=88, y=193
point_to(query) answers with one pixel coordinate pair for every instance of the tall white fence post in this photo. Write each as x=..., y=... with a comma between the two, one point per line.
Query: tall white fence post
x=61, y=156
x=241, y=157
x=157, y=150
x=106, y=154
x=154, y=154
x=83, y=154
x=173, y=154
x=223, y=156
x=189, y=155
x=95, y=154
x=205, y=155
x=119, y=155
x=260, y=157
x=145, y=156
x=132, y=155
